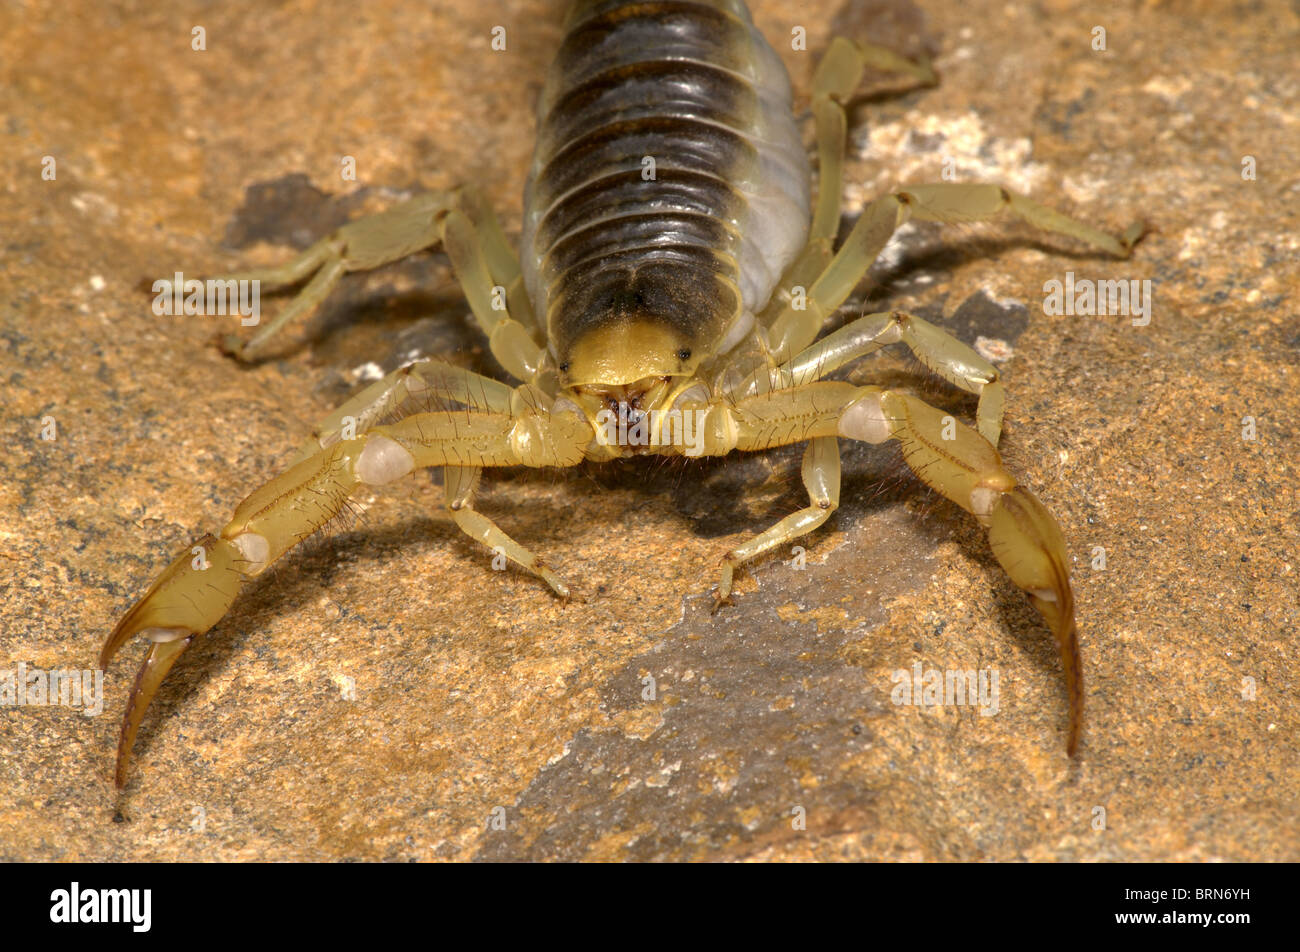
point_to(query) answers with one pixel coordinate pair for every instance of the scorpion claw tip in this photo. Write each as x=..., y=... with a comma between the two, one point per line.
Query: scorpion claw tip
x=162, y=655
x=187, y=599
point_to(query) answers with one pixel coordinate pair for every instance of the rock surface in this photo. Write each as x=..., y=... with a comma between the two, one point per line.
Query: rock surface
x=475, y=695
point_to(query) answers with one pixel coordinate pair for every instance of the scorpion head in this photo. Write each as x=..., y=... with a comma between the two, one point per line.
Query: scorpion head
x=627, y=345
x=620, y=372
x=630, y=339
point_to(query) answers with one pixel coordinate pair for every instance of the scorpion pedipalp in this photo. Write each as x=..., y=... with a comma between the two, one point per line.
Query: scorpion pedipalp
x=1028, y=544
x=189, y=597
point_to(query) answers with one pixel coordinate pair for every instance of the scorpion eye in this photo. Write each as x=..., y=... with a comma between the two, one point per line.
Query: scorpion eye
x=564, y=367
x=683, y=355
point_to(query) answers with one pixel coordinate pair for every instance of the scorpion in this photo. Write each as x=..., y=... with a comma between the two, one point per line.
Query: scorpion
x=673, y=279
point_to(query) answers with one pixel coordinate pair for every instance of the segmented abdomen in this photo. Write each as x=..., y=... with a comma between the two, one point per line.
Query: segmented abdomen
x=665, y=145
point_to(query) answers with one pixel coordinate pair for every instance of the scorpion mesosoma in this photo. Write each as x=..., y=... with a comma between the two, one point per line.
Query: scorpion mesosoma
x=673, y=278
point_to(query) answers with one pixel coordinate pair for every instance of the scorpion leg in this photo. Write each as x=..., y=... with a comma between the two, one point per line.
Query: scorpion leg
x=938, y=350
x=445, y=384
x=965, y=468
x=503, y=265
x=838, y=75
x=510, y=341
x=361, y=245
x=821, y=477
x=197, y=590
x=945, y=202
x=459, y=220
x=461, y=482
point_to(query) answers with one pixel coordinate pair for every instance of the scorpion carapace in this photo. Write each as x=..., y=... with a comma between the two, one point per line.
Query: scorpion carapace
x=675, y=277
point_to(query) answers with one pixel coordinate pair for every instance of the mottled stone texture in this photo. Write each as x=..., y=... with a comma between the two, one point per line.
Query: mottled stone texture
x=476, y=689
